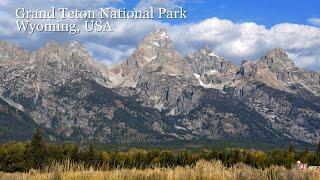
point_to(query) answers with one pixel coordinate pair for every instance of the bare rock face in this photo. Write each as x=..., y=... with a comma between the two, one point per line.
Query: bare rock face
x=47, y=68
x=162, y=78
x=277, y=59
x=277, y=70
x=155, y=53
x=211, y=70
x=12, y=53
x=285, y=71
x=30, y=85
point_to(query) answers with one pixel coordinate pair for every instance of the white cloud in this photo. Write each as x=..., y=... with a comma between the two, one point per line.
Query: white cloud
x=314, y=21
x=248, y=40
x=101, y=52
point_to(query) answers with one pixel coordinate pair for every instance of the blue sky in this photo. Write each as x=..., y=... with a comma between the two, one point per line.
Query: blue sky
x=266, y=12
x=234, y=29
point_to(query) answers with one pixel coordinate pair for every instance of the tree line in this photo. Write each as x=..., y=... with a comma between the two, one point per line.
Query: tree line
x=38, y=154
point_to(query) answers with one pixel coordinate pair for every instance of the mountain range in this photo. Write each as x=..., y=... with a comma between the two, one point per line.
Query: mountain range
x=156, y=95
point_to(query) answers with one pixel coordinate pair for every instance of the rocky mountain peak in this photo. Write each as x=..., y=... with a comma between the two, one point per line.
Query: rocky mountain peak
x=73, y=46
x=66, y=53
x=69, y=47
x=277, y=58
x=160, y=34
x=156, y=40
x=154, y=51
x=211, y=70
x=12, y=53
x=156, y=48
x=276, y=52
x=206, y=52
x=51, y=45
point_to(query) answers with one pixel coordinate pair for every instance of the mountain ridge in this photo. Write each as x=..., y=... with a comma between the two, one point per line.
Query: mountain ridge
x=159, y=95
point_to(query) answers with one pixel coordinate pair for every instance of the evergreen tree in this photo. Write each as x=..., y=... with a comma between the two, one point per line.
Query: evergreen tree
x=292, y=149
x=90, y=156
x=305, y=156
x=37, y=150
x=316, y=157
x=290, y=156
x=75, y=154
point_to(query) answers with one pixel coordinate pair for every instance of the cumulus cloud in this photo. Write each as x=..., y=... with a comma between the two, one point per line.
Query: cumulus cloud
x=314, y=21
x=248, y=40
x=234, y=41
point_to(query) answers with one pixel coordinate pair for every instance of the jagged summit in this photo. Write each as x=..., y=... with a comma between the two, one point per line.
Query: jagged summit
x=154, y=45
x=155, y=53
x=277, y=58
x=68, y=52
x=160, y=33
x=51, y=44
x=280, y=52
x=157, y=39
x=156, y=48
x=70, y=46
x=203, y=58
x=211, y=70
x=74, y=46
x=12, y=53
x=206, y=52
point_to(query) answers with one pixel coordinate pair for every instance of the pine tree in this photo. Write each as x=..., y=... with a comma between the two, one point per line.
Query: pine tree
x=37, y=151
x=316, y=160
x=90, y=156
x=291, y=156
x=304, y=157
x=75, y=154
x=292, y=149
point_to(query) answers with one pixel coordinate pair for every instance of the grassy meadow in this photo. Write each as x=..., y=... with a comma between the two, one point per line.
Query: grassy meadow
x=201, y=170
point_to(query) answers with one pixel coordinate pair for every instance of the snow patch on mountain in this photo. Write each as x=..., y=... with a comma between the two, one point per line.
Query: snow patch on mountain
x=212, y=54
x=155, y=43
x=211, y=72
x=149, y=59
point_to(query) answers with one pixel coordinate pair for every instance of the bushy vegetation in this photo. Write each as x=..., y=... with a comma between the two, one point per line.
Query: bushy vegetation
x=37, y=154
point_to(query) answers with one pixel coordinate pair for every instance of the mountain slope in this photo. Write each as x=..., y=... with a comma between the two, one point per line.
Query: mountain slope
x=157, y=95
x=17, y=125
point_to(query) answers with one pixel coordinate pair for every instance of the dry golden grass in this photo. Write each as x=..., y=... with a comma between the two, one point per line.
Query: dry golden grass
x=202, y=170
